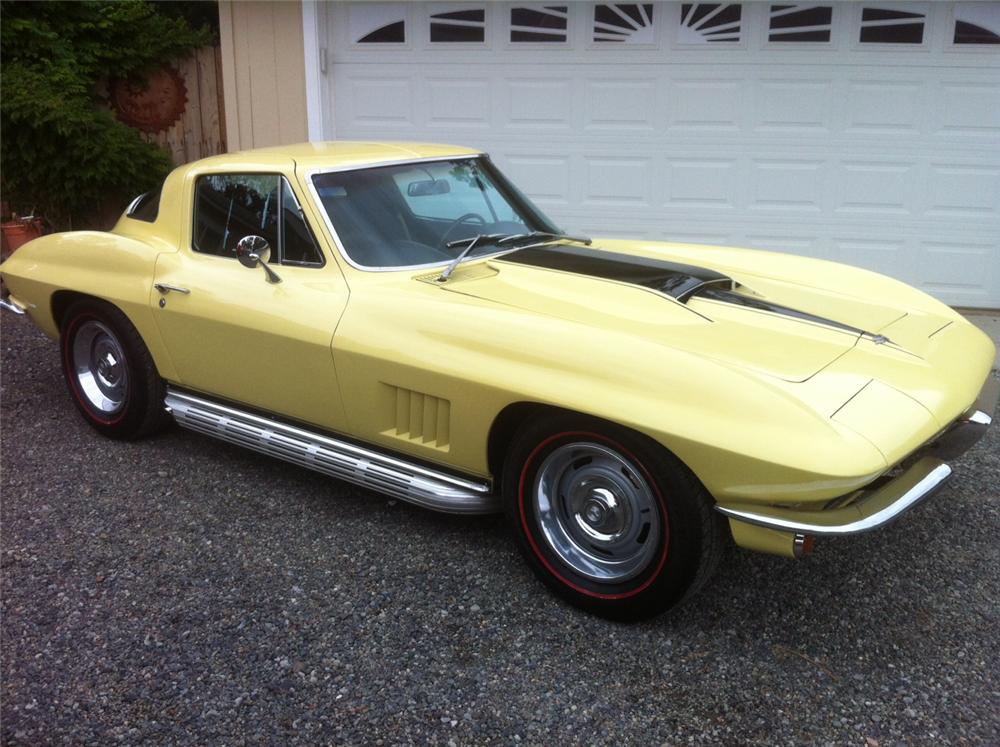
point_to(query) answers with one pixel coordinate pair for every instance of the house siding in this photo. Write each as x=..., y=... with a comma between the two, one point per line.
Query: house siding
x=263, y=73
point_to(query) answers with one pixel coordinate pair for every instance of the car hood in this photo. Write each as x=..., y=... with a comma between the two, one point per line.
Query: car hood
x=777, y=321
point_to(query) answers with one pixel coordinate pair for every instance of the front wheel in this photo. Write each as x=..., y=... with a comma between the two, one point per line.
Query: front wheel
x=607, y=518
x=110, y=373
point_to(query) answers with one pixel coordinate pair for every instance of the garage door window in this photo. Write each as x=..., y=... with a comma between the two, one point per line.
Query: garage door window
x=543, y=24
x=704, y=23
x=378, y=23
x=800, y=23
x=977, y=23
x=889, y=26
x=627, y=23
x=467, y=25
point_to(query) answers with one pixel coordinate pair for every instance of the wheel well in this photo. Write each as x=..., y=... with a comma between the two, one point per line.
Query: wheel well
x=512, y=417
x=62, y=300
x=505, y=426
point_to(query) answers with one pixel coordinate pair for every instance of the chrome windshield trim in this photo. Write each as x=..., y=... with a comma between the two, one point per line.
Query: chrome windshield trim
x=318, y=204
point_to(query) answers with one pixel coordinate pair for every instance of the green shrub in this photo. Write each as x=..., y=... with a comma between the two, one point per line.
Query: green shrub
x=60, y=153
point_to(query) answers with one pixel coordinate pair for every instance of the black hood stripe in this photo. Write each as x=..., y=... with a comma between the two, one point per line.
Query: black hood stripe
x=671, y=278
x=674, y=279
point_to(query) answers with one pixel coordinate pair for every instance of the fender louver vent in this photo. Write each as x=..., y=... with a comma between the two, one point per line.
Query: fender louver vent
x=419, y=418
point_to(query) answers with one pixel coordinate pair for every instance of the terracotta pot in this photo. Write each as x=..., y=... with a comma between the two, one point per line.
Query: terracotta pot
x=18, y=232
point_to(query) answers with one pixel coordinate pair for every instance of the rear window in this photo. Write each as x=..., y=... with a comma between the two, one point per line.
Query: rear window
x=145, y=207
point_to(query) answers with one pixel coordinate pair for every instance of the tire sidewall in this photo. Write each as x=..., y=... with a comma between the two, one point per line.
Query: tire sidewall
x=124, y=423
x=674, y=564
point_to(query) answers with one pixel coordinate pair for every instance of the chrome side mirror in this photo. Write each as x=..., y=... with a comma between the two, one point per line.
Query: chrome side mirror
x=254, y=250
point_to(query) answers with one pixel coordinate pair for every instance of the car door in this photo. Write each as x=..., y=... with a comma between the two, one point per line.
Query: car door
x=236, y=333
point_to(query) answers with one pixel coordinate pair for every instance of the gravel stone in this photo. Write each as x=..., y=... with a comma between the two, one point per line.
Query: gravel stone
x=180, y=591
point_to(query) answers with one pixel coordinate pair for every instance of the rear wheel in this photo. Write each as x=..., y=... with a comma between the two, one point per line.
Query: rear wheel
x=607, y=518
x=110, y=373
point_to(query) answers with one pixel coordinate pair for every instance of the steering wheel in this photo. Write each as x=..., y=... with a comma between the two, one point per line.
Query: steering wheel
x=459, y=221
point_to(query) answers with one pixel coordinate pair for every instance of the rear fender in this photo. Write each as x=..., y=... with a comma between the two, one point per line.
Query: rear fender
x=106, y=266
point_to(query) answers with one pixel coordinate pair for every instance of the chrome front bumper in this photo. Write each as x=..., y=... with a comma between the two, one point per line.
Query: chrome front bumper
x=881, y=505
x=7, y=302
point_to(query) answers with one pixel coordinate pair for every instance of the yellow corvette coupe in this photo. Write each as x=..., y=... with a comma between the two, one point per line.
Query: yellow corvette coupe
x=400, y=316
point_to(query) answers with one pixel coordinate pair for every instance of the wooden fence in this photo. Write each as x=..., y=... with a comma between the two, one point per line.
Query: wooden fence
x=200, y=131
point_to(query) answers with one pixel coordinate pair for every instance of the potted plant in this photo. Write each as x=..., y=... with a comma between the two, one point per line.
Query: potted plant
x=18, y=229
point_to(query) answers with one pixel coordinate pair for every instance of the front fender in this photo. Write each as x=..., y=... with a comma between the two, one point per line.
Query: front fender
x=743, y=438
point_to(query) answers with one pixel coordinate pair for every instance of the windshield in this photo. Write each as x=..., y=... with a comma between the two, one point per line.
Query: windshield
x=408, y=214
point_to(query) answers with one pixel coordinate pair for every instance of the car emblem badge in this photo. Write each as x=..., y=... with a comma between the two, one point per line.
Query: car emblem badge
x=880, y=339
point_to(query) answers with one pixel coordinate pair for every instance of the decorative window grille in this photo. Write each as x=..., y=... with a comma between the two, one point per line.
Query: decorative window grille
x=629, y=23
x=703, y=23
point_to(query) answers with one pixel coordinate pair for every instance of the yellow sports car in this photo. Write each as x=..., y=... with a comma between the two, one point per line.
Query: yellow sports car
x=400, y=316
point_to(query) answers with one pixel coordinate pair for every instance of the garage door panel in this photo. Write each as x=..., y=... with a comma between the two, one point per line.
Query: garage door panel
x=705, y=105
x=873, y=187
x=793, y=106
x=543, y=103
x=548, y=176
x=456, y=104
x=970, y=111
x=700, y=183
x=617, y=182
x=959, y=192
x=619, y=104
x=885, y=107
x=379, y=102
x=961, y=269
x=788, y=185
x=882, y=155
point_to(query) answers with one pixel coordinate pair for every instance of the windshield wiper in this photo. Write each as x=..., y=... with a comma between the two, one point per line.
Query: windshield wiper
x=477, y=240
x=499, y=239
x=543, y=236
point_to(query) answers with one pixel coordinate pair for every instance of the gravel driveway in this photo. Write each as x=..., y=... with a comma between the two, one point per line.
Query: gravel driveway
x=182, y=591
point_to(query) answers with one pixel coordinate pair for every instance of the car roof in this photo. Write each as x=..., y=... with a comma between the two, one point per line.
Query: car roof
x=334, y=154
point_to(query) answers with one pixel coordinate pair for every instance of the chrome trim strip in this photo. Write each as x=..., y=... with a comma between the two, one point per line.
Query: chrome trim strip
x=355, y=464
x=924, y=487
x=10, y=306
x=131, y=205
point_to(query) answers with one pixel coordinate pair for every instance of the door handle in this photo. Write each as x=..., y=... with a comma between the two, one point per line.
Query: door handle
x=165, y=288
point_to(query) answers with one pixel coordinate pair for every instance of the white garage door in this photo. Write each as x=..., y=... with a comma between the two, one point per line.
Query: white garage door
x=864, y=133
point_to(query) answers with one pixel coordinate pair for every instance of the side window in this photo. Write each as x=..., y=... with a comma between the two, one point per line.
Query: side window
x=228, y=207
x=146, y=206
x=298, y=246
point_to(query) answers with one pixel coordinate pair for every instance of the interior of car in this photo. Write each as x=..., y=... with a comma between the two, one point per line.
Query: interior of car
x=416, y=214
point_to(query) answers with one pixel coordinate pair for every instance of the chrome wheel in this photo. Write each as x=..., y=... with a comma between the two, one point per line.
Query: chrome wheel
x=99, y=367
x=597, y=512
